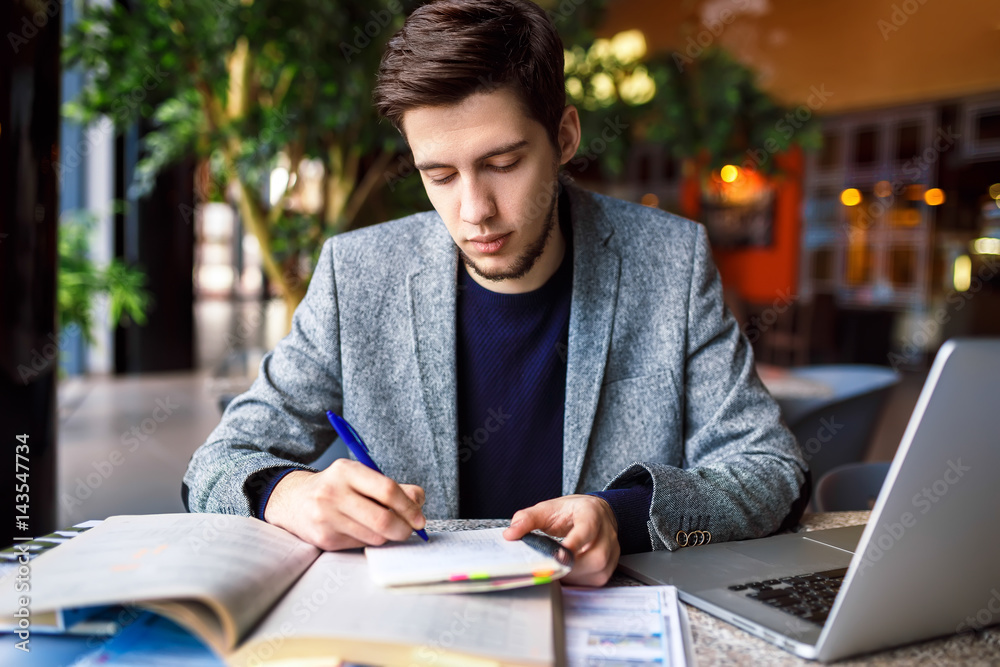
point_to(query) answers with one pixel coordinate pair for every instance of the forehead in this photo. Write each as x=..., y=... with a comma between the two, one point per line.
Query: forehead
x=470, y=128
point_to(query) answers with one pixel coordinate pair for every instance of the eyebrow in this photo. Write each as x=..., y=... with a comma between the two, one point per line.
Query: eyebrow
x=500, y=150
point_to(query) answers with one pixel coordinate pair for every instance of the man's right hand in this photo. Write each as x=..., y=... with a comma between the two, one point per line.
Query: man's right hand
x=345, y=506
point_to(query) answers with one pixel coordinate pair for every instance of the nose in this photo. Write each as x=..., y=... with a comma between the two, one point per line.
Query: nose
x=477, y=204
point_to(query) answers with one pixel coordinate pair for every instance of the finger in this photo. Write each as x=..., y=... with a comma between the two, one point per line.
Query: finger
x=379, y=523
x=349, y=534
x=524, y=521
x=415, y=493
x=387, y=493
x=580, y=538
x=595, y=567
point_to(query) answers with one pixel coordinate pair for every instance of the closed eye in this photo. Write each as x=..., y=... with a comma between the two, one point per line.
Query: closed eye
x=492, y=167
x=442, y=181
x=503, y=168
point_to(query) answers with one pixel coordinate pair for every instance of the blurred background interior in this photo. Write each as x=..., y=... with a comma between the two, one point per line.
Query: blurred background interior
x=168, y=173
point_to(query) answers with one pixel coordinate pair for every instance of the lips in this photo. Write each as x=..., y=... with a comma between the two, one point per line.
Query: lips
x=490, y=243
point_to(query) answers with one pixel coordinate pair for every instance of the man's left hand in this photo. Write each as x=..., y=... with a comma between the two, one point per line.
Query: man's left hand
x=589, y=528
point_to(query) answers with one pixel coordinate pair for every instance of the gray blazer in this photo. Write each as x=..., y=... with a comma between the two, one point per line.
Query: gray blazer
x=660, y=381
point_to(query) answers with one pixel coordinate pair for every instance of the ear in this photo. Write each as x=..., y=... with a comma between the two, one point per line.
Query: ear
x=569, y=134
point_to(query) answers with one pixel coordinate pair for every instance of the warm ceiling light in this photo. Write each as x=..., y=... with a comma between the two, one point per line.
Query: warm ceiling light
x=934, y=197
x=850, y=197
x=986, y=246
x=729, y=173
x=995, y=190
x=962, y=273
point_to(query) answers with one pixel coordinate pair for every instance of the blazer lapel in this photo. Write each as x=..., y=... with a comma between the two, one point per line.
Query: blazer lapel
x=432, y=313
x=596, y=269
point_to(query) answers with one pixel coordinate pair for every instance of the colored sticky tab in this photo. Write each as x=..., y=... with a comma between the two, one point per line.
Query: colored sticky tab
x=543, y=573
x=479, y=575
x=457, y=577
x=542, y=580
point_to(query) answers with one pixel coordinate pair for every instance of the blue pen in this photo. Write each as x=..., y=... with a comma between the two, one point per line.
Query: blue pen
x=359, y=449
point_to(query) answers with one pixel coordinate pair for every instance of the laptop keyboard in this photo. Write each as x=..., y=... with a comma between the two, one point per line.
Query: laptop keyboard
x=808, y=596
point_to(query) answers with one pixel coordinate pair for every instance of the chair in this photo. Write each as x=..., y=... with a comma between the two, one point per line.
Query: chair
x=787, y=339
x=836, y=430
x=851, y=487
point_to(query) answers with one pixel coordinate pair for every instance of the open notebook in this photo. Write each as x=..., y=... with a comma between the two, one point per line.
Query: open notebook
x=257, y=594
x=468, y=561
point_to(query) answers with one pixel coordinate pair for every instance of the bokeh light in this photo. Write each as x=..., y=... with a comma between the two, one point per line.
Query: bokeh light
x=934, y=197
x=850, y=197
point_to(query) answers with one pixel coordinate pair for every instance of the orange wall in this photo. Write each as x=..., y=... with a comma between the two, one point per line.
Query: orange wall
x=762, y=275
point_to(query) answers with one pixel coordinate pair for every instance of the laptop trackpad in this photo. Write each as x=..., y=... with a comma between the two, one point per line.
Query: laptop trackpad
x=804, y=552
x=842, y=538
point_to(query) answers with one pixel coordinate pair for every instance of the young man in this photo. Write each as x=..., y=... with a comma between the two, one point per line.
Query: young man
x=527, y=350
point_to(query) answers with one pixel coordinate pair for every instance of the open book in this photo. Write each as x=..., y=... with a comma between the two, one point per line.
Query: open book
x=257, y=594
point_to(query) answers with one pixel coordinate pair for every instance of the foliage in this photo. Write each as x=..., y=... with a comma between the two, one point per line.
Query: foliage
x=80, y=280
x=255, y=87
x=710, y=110
x=244, y=85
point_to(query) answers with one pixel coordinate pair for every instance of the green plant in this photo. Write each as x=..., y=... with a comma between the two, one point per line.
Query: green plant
x=254, y=86
x=710, y=111
x=80, y=281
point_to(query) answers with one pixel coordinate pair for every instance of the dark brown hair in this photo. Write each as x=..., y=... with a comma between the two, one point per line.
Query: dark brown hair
x=450, y=49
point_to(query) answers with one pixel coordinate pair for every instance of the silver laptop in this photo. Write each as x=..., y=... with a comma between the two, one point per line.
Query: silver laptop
x=926, y=564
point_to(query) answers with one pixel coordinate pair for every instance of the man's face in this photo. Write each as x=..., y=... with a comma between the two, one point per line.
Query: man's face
x=490, y=172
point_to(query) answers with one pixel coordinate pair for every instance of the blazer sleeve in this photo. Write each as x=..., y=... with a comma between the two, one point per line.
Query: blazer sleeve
x=742, y=468
x=280, y=422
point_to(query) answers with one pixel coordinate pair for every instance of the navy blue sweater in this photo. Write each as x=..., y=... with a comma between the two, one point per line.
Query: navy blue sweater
x=511, y=365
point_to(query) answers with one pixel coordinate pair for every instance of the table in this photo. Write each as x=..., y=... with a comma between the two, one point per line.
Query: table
x=716, y=642
x=782, y=384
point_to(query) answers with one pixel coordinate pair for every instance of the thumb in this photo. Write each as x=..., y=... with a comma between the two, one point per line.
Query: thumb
x=523, y=522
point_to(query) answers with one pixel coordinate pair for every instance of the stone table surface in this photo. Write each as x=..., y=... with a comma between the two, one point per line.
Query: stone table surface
x=716, y=642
